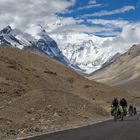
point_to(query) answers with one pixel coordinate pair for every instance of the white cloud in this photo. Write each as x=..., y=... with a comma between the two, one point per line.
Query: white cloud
x=89, y=6
x=118, y=23
x=68, y=21
x=26, y=12
x=112, y=12
x=115, y=26
x=29, y=13
x=128, y=37
x=81, y=28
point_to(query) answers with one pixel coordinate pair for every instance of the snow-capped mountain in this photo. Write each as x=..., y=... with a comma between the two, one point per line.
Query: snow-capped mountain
x=8, y=38
x=41, y=43
x=84, y=50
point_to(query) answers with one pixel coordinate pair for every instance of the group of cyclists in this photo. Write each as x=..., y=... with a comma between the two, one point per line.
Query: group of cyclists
x=132, y=110
x=122, y=107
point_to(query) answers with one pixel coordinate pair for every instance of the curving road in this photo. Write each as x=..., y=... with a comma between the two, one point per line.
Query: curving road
x=129, y=129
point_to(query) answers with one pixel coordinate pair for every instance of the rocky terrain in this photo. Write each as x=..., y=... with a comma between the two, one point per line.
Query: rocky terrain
x=38, y=95
x=123, y=72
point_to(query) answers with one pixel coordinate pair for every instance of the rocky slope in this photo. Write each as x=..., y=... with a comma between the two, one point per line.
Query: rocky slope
x=123, y=72
x=40, y=43
x=38, y=95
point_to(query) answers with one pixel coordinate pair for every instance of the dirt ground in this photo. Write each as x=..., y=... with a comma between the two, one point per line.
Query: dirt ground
x=38, y=95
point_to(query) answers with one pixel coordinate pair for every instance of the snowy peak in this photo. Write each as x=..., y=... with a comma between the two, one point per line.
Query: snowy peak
x=40, y=42
x=85, y=50
x=133, y=51
x=6, y=30
x=43, y=34
x=8, y=38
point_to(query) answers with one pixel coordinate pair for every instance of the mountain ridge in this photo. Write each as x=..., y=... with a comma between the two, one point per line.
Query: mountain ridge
x=88, y=47
x=43, y=44
x=38, y=95
x=123, y=72
x=69, y=51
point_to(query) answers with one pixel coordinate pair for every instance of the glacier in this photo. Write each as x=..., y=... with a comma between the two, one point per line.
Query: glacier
x=86, y=51
x=82, y=52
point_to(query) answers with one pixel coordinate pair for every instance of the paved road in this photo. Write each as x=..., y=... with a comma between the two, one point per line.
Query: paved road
x=129, y=129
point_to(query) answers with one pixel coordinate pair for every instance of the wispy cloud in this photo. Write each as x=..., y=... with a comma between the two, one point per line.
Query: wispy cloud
x=118, y=23
x=112, y=12
x=128, y=37
x=89, y=6
x=44, y=12
x=80, y=28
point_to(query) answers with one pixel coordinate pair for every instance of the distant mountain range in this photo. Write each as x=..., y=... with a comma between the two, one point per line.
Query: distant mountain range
x=86, y=51
x=123, y=72
x=42, y=43
x=82, y=52
x=38, y=95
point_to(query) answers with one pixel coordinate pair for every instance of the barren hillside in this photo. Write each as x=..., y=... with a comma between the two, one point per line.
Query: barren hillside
x=37, y=95
x=124, y=72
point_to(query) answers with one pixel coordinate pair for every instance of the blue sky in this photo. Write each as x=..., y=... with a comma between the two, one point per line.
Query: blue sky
x=117, y=19
x=106, y=5
x=98, y=17
x=93, y=10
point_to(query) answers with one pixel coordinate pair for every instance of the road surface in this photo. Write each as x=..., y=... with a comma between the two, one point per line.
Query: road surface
x=129, y=129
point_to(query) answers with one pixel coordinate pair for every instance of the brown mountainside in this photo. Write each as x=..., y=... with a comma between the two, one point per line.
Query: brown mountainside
x=37, y=95
x=124, y=72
